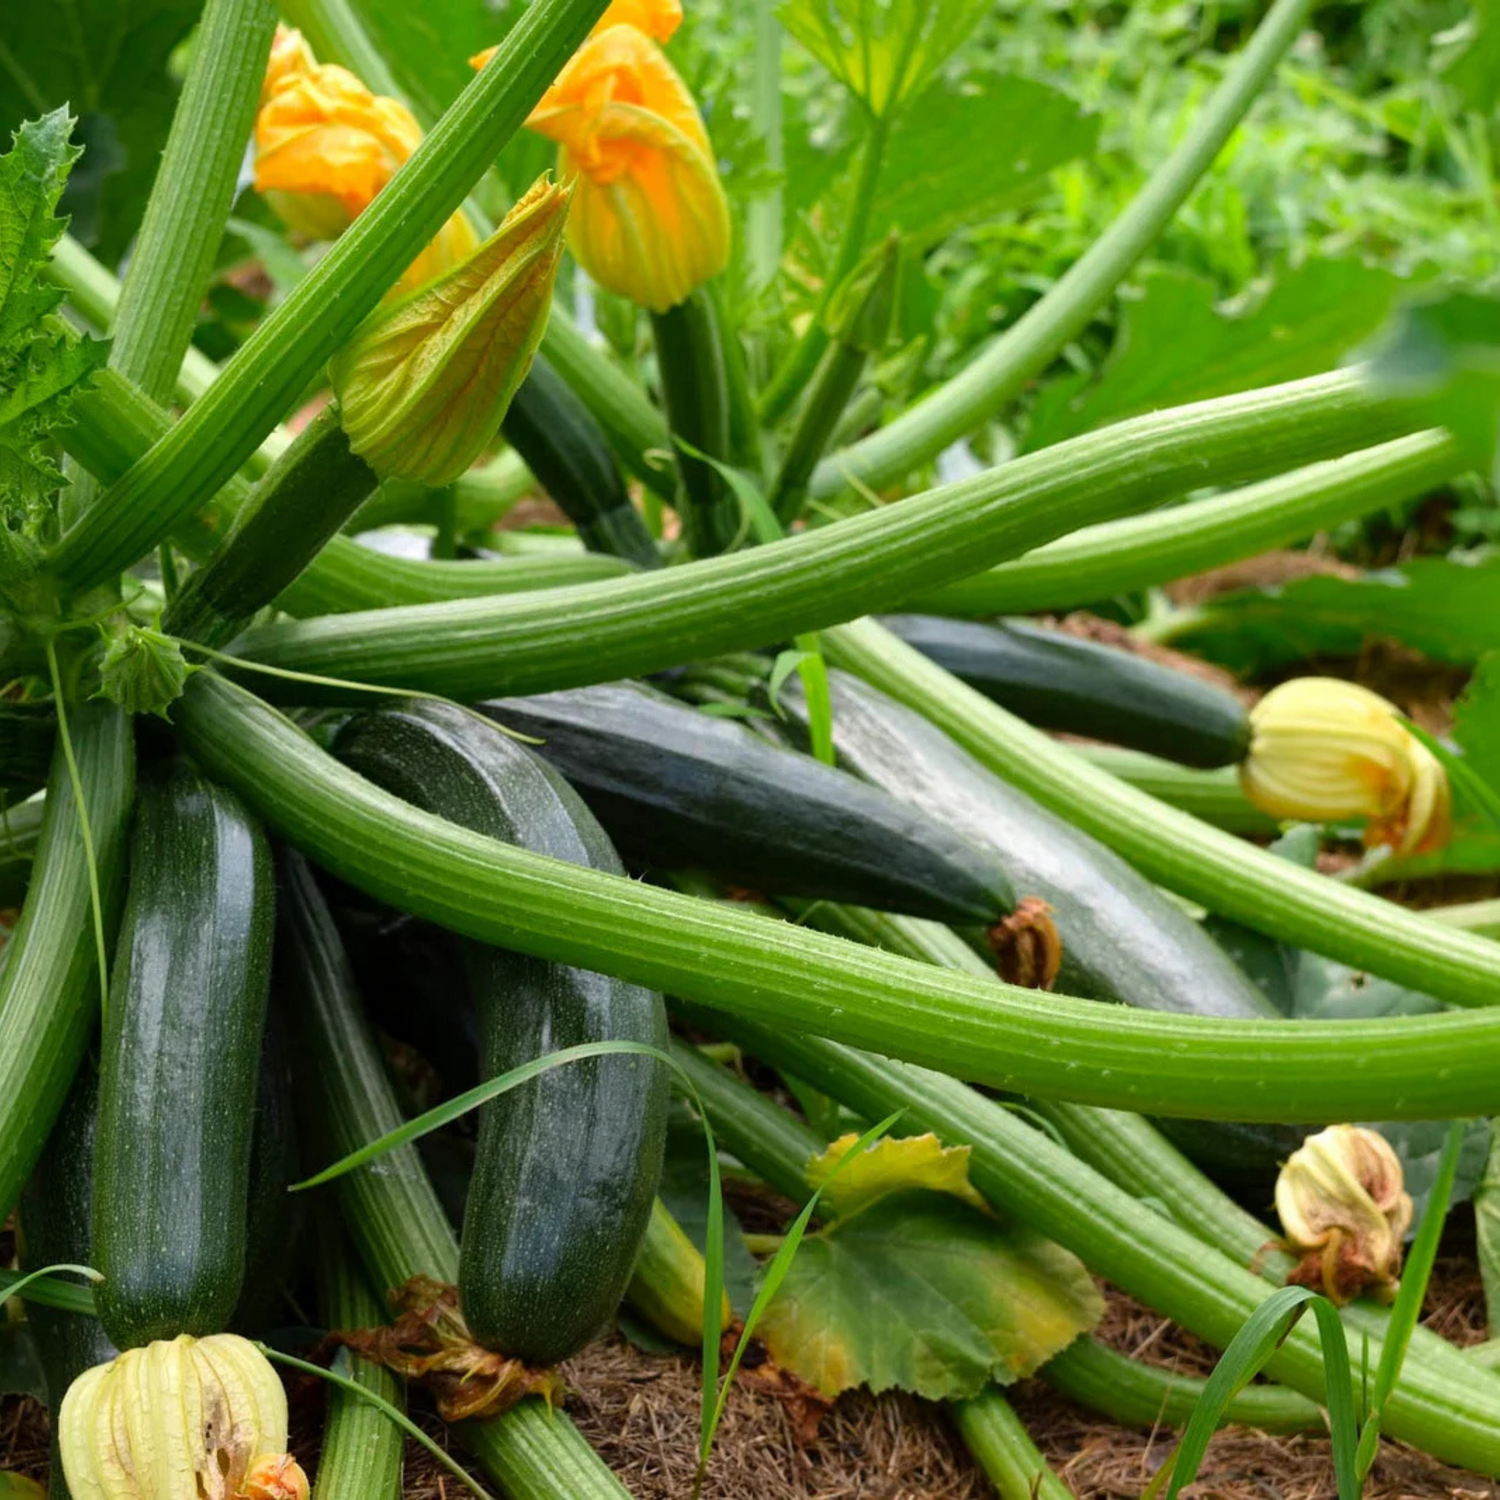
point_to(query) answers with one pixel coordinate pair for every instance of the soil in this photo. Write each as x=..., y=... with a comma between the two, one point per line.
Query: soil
x=640, y=1411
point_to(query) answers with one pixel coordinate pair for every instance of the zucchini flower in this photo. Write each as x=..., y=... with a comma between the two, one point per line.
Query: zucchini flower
x=657, y=18
x=325, y=146
x=650, y=219
x=185, y=1419
x=1344, y=1210
x=1323, y=749
x=425, y=381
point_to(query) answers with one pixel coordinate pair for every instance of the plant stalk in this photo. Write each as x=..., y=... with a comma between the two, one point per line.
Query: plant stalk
x=1409, y=1067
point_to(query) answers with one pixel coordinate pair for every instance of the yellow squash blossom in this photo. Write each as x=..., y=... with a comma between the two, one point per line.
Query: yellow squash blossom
x=1345, y=1211
x=649, y=218
x=325, y=146
x=181, y=1419
x=1325, y=750
x=425, y=381
x=658, y=18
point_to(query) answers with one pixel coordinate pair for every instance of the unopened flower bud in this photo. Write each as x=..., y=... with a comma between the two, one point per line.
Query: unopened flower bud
x=425, y=381
x=1323, y=750
x=184, y=1419
x=1345, y=1212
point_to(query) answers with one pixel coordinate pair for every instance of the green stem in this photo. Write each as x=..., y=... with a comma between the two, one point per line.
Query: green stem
x=336, y=35
x=786, y=385
x=361, y=1453
x=833, y=384
x=391, y=1211
x=1215, y=869
x=1029, y=1178
x=1051, y=1045
x=1141, y=1395
x=695, y=391
x=986, y=385
x=832, y=573
x=286, y=520
x=1002, y=1447
x=173, y=255
x=223, y=427
x=1212, y=796
x=1472, y=916
x=763, y=215
x=49, y=992
x=116, y=424
x=1123, y=557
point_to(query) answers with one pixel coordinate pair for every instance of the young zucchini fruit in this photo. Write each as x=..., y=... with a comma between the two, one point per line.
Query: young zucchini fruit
x=181, y=1063
x=569, y=454
x=566, y=1166
x=1058, y=681
x=676, y=786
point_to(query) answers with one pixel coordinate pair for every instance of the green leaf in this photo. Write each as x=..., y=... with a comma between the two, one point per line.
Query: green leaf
x=1487, y=1224
x=1177, y=344
x=108, y=61
x=1476, y=721
x=882, y=51
x=925, y=1293
x=930, y=185
x=1443, y=357
x=143, y=671
x=19, y=1487
x=1444, y=607
x=892, y=1165
x=1473, y=66
x=41, y=366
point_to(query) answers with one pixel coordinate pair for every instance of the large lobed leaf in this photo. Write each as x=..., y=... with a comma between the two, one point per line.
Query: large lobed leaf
x=924, y=1292
x=1175, y=343
x=107, y=60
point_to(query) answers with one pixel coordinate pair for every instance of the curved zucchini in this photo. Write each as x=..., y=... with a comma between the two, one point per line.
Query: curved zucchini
x=181, y=1064
x=675, y=786
x=566, y=1166
x=1058, y=681
x=1122, y=939
x=55, y=1211
x=567, y=451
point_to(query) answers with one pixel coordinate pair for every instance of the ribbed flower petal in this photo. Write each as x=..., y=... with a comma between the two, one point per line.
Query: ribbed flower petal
x=425, y=381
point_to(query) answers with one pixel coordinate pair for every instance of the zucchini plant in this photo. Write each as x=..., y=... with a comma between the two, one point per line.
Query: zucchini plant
x=536, y=760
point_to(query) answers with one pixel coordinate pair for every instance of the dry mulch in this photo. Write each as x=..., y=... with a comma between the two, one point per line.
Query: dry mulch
x=641, y=1412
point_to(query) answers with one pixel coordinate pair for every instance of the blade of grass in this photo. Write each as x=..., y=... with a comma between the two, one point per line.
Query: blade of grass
x=52, y=1293
x=391, y=1413
x=1257, y=1340
x=1407, y=1308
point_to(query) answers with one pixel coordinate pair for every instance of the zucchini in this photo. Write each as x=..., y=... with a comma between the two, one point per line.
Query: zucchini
x=1057, y=681
x=569, y=454
x=1122, y=939
x=566, y=1165
x=672, y=785
x=28, y=733
x=389, y=1208
x=55, y=1210
x=181, y=1063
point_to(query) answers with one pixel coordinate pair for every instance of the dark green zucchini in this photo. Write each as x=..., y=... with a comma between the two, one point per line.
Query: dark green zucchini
x=28, y=733
x=567, y=1164
x=673, y=786
x=569, y=454
x=1122, y=940
x=181, y=1063
x=1058, y=681
x=55, y=1211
